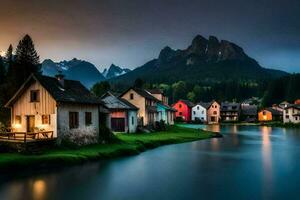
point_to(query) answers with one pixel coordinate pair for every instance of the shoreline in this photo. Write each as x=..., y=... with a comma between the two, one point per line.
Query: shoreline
x=127, y=145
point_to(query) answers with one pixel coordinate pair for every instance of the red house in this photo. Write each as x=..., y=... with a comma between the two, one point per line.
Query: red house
x=184, y=109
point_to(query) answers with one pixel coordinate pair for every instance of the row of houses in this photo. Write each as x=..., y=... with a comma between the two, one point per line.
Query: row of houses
x=284, y=112
x=214, y=112
x=55, y=105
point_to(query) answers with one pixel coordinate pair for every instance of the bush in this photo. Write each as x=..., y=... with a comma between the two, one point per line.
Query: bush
x=80, y=137
x=160, y=126
x=105, y=134
x=179, y=119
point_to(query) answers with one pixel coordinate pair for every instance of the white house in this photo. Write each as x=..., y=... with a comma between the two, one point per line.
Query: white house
x=47, y=107
x=291, y=114
x=199, y=112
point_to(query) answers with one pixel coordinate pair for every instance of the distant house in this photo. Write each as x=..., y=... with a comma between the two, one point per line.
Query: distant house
x=230, y=112
x=184, y=109
x=249, y=113
x=291, y=114
x=145, y=102
x=164, y=111
x=54, y=106
x=212, y=111
x=283, y=104
x=199, y=113
x=297, y=102
x=123, y=115
x=269, y=114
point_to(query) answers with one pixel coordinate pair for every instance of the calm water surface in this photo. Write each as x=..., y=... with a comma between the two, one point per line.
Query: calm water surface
x=250, y=162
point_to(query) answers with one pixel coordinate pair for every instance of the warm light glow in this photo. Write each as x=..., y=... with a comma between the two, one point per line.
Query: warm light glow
x=17, y=126
x=265, y=117
x=2, y=53
x=39, y=189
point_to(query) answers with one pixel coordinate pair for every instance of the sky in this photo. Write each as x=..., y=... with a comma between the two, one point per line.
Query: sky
x=129, y=33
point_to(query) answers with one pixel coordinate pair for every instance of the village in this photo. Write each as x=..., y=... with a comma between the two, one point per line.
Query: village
x=52, y=108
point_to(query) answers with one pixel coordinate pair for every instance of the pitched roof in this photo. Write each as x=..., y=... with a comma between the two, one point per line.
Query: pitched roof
x=206, y=105
x=144, y=93
x=229, y=106
x=274, y=111
x=71, y=92
x=297, y=106
x=187, y=102
x=167, y=106
x=113, y=102
x=156, y=91
x=249, y=110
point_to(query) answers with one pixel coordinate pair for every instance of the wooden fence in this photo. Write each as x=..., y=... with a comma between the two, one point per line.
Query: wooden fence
x=25, y=136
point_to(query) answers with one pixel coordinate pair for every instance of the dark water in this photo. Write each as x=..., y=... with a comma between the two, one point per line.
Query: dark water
x=250, y=162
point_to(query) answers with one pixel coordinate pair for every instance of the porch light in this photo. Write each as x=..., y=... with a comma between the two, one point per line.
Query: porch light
x=17, y=126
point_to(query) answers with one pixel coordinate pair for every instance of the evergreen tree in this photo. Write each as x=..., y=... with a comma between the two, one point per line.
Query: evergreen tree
x=26, y=60
x=9, y=61
x=100, y=88
x=139, y=83
x=2, y=71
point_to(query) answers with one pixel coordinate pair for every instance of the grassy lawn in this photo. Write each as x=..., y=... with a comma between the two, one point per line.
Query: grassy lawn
x=127, y=145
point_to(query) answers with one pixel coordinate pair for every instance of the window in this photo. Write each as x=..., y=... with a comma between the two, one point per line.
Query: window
x=194, y=112
x=202, y=111
x=180, y=105
x=286, y=116
x=296, y=118
x=264, y=112
x=198, y=108
x=73, y=120
x=88, y=118
x=132, y=120
x=34, y=96
x=180, y=113
x=131, y=96
x=215, y=112
x=45, y=119
x=18, y=119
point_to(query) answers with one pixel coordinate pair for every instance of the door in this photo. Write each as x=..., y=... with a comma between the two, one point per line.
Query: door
x=118, y=124
x=30, y=123
x=213, y=119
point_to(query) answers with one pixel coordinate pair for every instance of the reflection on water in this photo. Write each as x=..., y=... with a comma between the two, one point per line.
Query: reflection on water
x=250, y=162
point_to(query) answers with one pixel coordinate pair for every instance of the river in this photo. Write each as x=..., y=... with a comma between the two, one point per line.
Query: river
x=249, y=162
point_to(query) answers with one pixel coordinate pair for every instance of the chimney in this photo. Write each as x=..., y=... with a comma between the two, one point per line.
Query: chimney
x=60, y=77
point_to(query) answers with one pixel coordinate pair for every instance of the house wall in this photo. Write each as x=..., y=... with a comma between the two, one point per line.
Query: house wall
x=139, y=102
x=132, y=121
x=182, y=111
x=45, y=106
x=265, y=117
x=213, y=112
x=171, y=116
x=289, y=115
x=63, y=116
x=198, y=112
x=161, y=97
x=162, y=114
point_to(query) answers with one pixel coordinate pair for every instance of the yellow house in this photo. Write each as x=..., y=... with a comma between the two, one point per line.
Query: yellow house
x=146, y=103
x=269, y=114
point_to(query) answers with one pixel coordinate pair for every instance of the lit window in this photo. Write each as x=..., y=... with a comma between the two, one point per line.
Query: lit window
x=34, y=96
x=18, y=119
x=45, y=119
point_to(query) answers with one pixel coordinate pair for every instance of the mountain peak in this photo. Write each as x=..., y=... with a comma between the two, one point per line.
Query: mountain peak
x=114, y=71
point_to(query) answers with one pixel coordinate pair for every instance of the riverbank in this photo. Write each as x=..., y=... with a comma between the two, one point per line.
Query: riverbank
x=125, y=145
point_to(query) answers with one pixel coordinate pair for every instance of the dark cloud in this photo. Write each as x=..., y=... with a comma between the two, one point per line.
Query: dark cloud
x=130, y=32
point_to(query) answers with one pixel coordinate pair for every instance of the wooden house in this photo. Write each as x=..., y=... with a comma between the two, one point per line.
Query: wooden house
x=212, y=111
x=46, y=107
x=184, y=110
x=164, y=112
x=269, y=114
x=145, y=102
x=291, y=114
x=123, y=114
x=199, y=113
x=248, y=113
x=230, y=112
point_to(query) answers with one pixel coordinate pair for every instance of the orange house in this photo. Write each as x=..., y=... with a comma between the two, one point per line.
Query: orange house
x=297, y=102
x=269, y=114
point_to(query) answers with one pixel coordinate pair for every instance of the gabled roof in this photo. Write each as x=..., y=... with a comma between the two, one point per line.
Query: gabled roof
x=296, y=106
x=167, y=106
x=249, y=110
x=144, y=93
x=206, y=105
x=113, y=102
x=273, y=111
x=71, y=92
x=187, y=102
x=229, y=106
x=156, y=91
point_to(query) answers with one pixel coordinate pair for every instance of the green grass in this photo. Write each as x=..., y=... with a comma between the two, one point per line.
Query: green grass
x=125, y=145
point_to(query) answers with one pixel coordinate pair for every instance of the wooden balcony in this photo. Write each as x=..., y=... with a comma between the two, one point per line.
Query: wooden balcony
x=24, y=137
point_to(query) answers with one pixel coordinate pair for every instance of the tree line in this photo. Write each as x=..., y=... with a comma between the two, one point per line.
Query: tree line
x=15, y=67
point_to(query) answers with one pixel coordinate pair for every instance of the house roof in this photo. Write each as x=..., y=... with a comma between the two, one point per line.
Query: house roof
x=206, y=105
x=167, y=106
x=273, y=111
x=249, y=110
x=156, y=91
x=144, y=93
x=113, y=102
x=187, y=102
x=297, y=106
x=229, y=106
x=71, y=92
